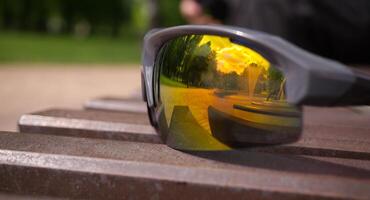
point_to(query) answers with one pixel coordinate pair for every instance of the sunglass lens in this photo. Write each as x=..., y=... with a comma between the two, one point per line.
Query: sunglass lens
x=218, y=94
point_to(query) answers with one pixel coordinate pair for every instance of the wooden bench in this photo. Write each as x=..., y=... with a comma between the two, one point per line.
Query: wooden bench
x=115, y=153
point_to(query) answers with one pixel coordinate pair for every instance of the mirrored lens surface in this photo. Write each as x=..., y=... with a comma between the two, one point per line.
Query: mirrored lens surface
x=217, y=94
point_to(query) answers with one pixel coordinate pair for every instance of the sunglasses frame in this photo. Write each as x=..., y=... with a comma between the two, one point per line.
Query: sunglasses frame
x=311, y=79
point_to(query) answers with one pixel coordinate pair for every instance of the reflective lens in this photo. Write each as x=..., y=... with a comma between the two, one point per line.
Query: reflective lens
x=218, y=94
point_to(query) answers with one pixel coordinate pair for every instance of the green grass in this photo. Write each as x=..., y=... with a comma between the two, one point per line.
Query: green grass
x=169, y=82
x=36, y=48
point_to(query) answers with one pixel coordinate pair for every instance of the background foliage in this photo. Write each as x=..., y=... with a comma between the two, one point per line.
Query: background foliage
x=109, y=16
x=80, y=30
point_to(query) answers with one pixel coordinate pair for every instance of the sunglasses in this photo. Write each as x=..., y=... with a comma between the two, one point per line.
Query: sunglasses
x=221, y=87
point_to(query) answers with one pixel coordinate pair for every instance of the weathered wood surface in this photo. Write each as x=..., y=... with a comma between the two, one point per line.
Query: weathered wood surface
x=93, y=124
x=117, y=104
x=335, y=132
x=106, y=169
x=117, y=155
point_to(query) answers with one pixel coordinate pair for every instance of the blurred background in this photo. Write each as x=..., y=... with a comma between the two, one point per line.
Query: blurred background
x=93, y=31
x=84, y=31
x=60, y=53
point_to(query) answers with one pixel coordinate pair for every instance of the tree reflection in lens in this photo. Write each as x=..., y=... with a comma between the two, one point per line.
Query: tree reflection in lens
x=217, y=94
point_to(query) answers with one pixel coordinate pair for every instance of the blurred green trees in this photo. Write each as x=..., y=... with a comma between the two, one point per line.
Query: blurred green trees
x=88, y=17
x=184, y=61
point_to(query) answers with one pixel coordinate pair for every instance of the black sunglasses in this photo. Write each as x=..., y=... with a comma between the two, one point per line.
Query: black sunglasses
x=218, y=87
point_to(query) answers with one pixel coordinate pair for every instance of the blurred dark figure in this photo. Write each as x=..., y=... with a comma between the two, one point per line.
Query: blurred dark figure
x=339, y=29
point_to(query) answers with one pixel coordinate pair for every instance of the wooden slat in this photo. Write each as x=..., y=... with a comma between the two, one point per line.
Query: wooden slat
x=106, y=116
x=105, y=125
x=116, y=104
x=346, y=117
x=332, y=136
x=330, y=161
x=9, y=196
x=70, y=167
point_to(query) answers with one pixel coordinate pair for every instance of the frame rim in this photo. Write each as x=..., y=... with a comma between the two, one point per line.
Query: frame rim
x=311, y=79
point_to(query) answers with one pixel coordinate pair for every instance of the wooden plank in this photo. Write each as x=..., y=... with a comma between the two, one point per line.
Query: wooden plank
x=70, y=167
x=116, y=104
x=336, y=132
x=9, y=196
x=105, y=125
x=106, y=116
x=350, y=117
x=322, y=137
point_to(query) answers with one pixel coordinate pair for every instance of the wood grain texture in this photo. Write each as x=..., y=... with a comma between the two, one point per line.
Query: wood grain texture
x=95, y=169
x=118, y=155
x=116, y=104
x=92, y=124
x=330, y=132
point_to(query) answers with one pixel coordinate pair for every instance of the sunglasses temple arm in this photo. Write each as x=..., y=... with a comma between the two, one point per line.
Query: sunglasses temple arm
x=359, y=93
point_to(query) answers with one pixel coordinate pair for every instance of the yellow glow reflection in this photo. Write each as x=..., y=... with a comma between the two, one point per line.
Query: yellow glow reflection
x=205, y=80
x=231, y=57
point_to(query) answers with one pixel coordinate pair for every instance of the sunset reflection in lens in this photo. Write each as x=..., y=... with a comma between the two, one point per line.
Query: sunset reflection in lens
x=217, y=94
